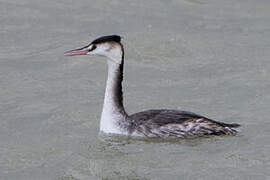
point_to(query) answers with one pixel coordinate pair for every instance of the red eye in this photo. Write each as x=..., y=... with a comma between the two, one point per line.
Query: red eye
x=93, y=47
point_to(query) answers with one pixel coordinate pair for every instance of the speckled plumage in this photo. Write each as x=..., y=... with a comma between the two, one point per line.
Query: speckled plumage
x=175, y=123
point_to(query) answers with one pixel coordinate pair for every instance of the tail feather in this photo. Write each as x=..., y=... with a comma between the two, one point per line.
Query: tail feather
x=230, y=125
x=234, y=125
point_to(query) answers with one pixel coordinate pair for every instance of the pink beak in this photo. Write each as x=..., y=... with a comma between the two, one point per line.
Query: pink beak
x=76, y=52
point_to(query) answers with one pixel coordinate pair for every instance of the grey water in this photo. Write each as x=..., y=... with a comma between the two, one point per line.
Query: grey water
x=206, y=56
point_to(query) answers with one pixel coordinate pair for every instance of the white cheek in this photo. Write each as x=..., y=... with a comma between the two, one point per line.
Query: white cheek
x=101, y=51
x=113, y=54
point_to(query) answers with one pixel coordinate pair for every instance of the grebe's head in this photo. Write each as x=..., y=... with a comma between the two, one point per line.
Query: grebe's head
x=108, y=46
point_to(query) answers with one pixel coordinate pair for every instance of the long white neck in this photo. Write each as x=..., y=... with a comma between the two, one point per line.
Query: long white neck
x=113, y=113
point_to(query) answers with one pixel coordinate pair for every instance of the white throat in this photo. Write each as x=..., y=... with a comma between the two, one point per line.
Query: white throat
x=113, y=113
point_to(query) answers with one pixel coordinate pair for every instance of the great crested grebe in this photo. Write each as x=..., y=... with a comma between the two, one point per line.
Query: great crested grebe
x=152, y=123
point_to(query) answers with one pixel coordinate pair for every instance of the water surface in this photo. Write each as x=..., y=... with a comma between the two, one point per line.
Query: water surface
x=209, y=57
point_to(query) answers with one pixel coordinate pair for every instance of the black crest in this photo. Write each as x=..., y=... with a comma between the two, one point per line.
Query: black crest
x=111, y=38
